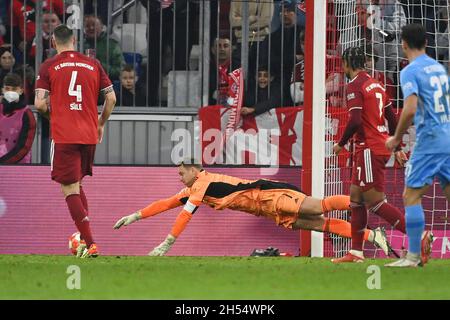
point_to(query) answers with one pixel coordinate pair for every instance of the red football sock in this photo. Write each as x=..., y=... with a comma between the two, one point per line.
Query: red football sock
x=391, y=214
x=84, y=200
x=80, y=218
x=359, y=223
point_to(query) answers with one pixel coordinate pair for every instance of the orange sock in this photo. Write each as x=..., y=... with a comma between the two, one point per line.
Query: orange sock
x=339, y=202
x=341, y=228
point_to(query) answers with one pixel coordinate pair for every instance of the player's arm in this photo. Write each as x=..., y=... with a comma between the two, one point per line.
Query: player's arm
x=389, y=114
x=355, y=103
x=107, y=91
x=151, y=210
x=41, y=102
x=406, y=120
x=178, y=227
x=391, y=119
x=352, y=126
x=108, y=105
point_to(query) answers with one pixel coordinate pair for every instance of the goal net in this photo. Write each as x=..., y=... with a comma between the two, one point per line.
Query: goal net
x=375, y=26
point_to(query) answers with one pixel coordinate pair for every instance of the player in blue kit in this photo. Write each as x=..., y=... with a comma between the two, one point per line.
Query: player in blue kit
x=425, y=86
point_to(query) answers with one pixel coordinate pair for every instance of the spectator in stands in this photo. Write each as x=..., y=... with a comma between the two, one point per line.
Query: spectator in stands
x=8, y=64
x=3, y=19
x=283, y=45
x=278, y=8
x=96, y=37
x=260, y=15
x=50, y=21
x=298, y=76
x=174, y=42
x=381, y=22
x=261, y=101
x=131, y=92
x=24, y=17
x=17, y=123
x=443, y=35
x=424, y=12
x=221, y=64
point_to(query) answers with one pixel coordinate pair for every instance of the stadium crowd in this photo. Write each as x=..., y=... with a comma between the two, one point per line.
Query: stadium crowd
x=274, y=74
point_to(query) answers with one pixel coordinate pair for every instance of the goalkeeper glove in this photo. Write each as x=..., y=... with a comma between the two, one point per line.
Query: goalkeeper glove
x=124, y=221
x=164, y=247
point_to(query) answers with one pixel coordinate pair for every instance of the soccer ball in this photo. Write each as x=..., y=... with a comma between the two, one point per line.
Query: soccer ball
x=74, y=242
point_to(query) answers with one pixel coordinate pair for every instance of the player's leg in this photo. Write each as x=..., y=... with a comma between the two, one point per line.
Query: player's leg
x=77, y=211
x=415, y=218
x=87, y=160
x=66, y=164
x=374, y=196
x=339, y=227
x=83, y=198
x=358, y=227
x=359, y=213
x=447, y=192
x=313, y=206
x=419, y=175
x=444, y=178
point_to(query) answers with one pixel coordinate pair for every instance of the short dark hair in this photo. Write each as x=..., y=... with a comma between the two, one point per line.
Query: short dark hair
x=12, y=80
x=355, y=57
x=290, y=5
x=4, y=49
x=128, y=68
x=99, y=18
x=191, y=163
x=63, y=34
x=415, y=35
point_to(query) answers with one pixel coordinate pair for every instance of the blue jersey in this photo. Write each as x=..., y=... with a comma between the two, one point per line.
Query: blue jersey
x=429, y=80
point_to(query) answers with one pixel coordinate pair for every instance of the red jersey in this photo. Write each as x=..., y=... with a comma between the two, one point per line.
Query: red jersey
x=23, y=15
x=74, y=82
x=369, y=95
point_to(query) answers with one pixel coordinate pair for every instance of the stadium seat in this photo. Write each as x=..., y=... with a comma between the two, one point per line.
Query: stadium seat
x=126, y=35
x=134, y=59
x=183, y=89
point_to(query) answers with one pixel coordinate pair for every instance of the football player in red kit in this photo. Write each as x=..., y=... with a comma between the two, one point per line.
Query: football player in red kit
x=67, y=91
x=369, y=107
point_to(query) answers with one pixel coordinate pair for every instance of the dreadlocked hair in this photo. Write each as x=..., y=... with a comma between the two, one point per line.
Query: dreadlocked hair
x=355, y=57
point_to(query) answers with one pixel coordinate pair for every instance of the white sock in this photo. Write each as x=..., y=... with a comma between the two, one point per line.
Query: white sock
x=357, y=253
x=371, y=237
x=413, y=257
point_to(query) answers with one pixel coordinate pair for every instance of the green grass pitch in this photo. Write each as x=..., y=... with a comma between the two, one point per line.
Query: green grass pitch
x=221, y=278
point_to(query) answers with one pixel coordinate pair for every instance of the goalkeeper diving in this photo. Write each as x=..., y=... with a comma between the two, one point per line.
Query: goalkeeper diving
x=281, y=202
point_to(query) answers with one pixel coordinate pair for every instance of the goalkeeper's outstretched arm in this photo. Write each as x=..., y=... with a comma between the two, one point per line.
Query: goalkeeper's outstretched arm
x=180, y=224
x=149, y=211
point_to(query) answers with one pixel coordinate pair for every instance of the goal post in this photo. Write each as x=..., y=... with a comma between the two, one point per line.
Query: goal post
x=314, y=128
x=331, y=27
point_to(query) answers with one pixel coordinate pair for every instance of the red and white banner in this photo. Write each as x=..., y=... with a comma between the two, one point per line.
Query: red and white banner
x=273, y=138
x=235, y=100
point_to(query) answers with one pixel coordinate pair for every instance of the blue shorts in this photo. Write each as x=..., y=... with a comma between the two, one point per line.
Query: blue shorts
x=421, y=170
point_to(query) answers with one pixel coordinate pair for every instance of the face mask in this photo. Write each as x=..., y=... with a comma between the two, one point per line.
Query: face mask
x=9, y=107
x=11, y=96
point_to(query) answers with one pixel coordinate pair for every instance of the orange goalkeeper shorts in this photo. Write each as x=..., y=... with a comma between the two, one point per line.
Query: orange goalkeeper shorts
x=280, y=205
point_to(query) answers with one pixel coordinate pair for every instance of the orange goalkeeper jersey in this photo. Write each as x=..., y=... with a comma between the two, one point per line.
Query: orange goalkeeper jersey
x=226, y=192
x=275, y=200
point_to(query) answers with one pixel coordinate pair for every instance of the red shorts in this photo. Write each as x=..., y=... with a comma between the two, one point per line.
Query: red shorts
x=71, y=162
x=368, y=170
